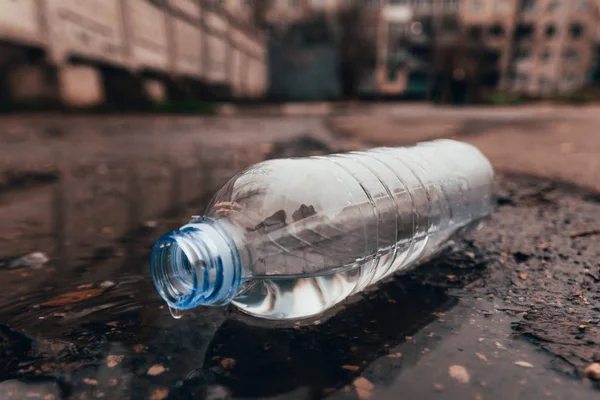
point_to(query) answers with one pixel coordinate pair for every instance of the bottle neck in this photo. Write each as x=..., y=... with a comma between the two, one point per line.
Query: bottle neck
x=198, y=264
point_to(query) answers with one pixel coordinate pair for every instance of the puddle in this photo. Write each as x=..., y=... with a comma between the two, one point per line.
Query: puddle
x=89, y=323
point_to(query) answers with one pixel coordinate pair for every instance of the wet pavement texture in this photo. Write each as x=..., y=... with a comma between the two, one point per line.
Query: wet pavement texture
x=510, y=312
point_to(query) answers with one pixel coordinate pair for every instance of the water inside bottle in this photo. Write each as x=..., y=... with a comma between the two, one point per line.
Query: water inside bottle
x=301, y=296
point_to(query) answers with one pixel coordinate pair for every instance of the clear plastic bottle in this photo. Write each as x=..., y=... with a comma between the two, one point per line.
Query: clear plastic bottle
x=290, y=238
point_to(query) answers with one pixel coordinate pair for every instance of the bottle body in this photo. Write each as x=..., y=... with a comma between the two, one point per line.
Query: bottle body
x=310, y=232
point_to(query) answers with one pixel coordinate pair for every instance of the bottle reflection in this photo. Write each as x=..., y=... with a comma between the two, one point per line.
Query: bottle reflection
x=261, y=361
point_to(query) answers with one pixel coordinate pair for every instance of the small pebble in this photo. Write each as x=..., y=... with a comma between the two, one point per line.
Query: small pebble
x=85, y=286
x=523, y=276
x=159, y=394
x=592, y=371
x=364, y=387
x=34, y=260
x=459, y=373
x=523, y=364
x=113, y=360
x=139, y=348
x=363, y=383
x=228, y=363
x=156, y=370
x=150, y=224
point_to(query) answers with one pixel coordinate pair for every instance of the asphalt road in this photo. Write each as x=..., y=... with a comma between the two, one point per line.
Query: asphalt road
x=497, y=317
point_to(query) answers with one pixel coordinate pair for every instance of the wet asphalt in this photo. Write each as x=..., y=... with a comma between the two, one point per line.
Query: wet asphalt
x=497, y=316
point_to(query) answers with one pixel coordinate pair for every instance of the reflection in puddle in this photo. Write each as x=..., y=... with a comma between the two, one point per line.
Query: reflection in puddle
x=95, y=224
x=95, y=324
x=258, y=361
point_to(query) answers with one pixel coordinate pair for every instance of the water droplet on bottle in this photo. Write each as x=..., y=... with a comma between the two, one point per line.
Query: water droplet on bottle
x=177, y=313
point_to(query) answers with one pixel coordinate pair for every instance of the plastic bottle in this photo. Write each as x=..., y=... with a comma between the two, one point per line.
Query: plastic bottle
x=290, y=238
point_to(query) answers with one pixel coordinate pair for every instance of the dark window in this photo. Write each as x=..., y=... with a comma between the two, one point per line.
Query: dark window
x=394, y=68
x=524, y=31
x=475, y=32
x=576, y=30
x=571, y=54
x=422, y=53
x=550, y=31
x=449, y=24
x=546, y=56
x=523, y=54
x=491, y=79
x=570, y=78
x=497, y=31
x=427, y=26
x=527, y=5
x=315, y=37
x=491, y=57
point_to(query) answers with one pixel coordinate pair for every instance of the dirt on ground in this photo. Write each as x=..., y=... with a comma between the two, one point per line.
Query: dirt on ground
x=543, y=264
x=87, y=321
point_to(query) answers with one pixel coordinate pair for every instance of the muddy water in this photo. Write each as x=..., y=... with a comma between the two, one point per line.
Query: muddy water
x=89, y=324
x=79, y=311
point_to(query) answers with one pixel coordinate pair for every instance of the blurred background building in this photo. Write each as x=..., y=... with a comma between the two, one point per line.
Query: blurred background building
x=82, y=53
x=122, y=51
x=435, y=48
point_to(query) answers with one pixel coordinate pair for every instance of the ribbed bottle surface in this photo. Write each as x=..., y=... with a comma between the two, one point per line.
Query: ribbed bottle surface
x=310, y=232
